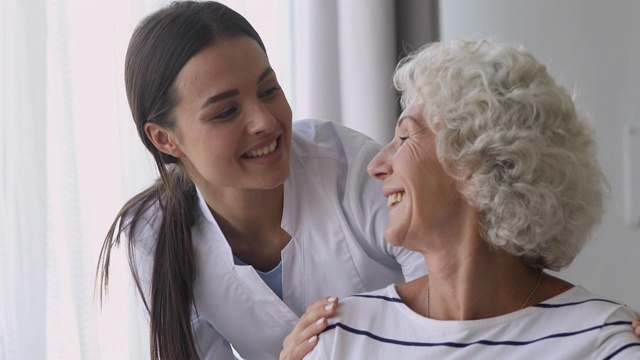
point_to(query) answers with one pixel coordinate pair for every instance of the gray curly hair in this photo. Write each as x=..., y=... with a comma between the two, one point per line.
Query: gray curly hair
x=528, y=156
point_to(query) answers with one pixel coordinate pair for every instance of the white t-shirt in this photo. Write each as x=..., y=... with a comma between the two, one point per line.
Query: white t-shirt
x=335, y=213
x=573, y=325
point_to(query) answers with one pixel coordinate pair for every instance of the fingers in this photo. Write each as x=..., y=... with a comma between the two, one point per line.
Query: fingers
x=298, y=351
x=304, y=336
x=314, y=319
x=636, y=327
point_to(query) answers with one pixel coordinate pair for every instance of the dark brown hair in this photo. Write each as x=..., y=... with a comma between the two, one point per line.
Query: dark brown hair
x=159, y=47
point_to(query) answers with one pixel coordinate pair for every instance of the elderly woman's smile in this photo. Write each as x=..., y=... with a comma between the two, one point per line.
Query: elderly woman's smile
x=395, y=198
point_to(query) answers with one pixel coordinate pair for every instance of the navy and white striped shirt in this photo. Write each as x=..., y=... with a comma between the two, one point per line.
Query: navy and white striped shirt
x=573, y=325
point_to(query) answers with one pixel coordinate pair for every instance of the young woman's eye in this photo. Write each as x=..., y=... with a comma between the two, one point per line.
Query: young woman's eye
x=225, y=114
x=269, y=92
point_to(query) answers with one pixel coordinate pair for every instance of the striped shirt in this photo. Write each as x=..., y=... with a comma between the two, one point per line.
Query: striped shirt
x=573, y=325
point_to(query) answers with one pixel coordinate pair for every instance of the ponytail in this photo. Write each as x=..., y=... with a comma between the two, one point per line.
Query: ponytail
x=174, y=270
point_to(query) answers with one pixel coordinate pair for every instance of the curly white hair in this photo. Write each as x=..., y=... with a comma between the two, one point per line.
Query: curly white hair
x=527, y=154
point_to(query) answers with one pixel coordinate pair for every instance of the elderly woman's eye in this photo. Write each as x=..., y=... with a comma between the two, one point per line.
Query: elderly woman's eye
x=403, y=138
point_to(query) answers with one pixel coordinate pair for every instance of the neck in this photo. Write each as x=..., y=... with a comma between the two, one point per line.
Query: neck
x=251, y=223
x=470, y=280
x=480, y=286
x=247, y=211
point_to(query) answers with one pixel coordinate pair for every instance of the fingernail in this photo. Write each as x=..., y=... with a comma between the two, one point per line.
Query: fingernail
x=313, y=339
x=329, y=307
x=331, y=299
x=320, y=321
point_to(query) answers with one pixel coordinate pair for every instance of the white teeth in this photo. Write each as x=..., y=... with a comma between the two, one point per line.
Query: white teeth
x=264, y=151
x=395, y=198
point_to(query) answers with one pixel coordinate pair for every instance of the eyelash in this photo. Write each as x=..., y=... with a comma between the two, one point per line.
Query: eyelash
x=403, y=138
x=225, y=114
x=269, y=92
x=229, y=112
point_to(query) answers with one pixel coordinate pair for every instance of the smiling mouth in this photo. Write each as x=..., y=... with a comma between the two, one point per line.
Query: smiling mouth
x=395, y=198
x=262, y=152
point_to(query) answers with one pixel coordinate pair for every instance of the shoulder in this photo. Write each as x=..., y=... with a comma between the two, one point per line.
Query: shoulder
x=329, y=139
x=609, y=318
x=578, y=308
x=359, y=307
x=358, y=318
x=388, y=294
x=581, y=299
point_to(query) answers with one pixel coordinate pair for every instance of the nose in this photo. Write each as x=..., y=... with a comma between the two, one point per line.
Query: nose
x=260, y=120
x=380, y=166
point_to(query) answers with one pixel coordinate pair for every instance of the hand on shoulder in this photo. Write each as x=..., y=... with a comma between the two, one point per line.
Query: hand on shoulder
x=304, y=336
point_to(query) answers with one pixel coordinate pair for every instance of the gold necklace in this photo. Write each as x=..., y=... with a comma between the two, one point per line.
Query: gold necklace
x=534, y=290
x=428, y=314
x=523, y=305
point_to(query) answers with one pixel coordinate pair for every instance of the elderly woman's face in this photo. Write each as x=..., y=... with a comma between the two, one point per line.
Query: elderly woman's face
x=423, y=200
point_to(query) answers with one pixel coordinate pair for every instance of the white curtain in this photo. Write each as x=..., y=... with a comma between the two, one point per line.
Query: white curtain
x=23, y=202
x=70, y=158
x=345, y=54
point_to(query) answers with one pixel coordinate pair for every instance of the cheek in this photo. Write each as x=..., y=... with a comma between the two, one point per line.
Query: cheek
x=212, y=144
x=283, y=111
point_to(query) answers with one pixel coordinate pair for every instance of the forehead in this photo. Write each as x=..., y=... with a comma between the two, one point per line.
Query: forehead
x=222, y=64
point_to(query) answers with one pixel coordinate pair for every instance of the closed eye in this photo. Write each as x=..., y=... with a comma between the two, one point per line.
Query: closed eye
x=403, y=138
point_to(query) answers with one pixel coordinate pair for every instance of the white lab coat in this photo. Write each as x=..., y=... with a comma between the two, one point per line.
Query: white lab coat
x=335, y=214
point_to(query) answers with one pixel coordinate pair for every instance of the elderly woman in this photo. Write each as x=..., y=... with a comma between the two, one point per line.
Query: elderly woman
x=492, y=176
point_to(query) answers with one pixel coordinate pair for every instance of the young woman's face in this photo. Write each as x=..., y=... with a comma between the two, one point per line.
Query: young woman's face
x=423, y=199
x=233, y=122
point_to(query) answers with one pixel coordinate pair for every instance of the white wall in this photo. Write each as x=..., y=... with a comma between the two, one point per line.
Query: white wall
x=592, y=47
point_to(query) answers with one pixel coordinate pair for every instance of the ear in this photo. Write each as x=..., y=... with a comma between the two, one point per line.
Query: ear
x=466, y=190
x=163, y=139
x=462, y=177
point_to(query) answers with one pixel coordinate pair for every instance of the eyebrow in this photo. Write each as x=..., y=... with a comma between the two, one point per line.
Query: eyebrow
x=227, y=94
x=219, y=97
x=268, y=71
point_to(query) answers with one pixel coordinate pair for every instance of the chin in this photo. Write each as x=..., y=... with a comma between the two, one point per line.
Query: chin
x=276, y=180
x=393, y=238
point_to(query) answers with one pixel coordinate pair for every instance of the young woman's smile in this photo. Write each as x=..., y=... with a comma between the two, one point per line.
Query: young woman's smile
x=233, y=121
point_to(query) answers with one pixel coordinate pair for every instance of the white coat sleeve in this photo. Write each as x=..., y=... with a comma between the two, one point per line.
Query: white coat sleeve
x=210, y=344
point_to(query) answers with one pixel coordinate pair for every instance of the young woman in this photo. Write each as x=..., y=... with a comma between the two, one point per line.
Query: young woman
x=252, y=219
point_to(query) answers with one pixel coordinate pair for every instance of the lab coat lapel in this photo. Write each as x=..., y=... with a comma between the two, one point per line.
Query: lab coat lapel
x=233, y=298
